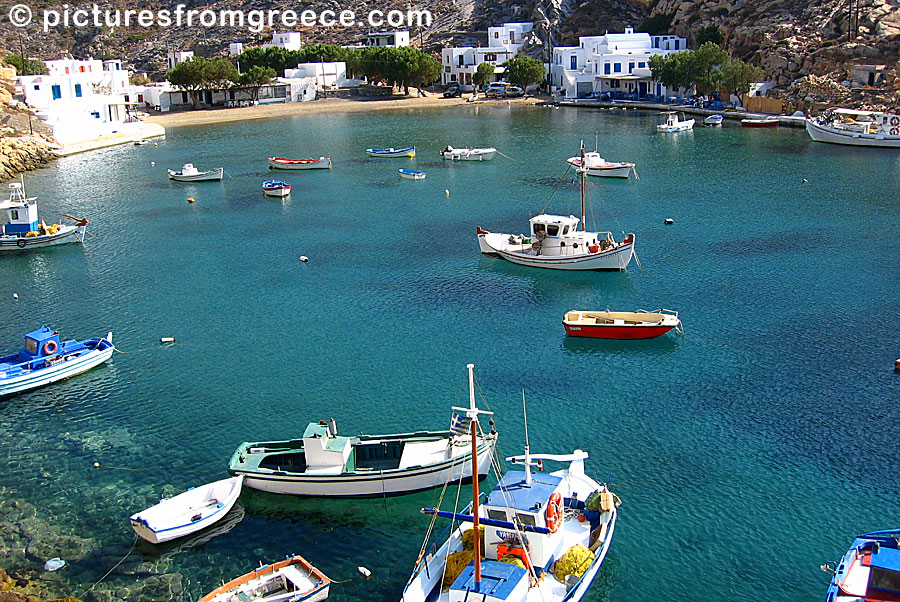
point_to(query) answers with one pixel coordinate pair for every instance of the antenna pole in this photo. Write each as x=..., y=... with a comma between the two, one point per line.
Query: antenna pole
x=583, y=226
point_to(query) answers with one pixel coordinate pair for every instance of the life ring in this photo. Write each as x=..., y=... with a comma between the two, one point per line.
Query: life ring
x=554, y=512
x=894, y=131
x=21, y=242
x=50, y=347
x=895, y=120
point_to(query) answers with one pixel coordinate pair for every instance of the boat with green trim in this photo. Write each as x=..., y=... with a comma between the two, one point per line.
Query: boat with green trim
x=325, y=464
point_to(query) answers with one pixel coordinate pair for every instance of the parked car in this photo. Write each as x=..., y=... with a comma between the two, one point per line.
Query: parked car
x=515, y=91
x=453, y=90
x=496, y=89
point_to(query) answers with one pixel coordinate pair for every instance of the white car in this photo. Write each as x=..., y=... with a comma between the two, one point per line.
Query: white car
x=496, y=89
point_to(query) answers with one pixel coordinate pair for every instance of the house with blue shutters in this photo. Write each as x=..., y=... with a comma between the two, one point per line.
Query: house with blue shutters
x=614, y=64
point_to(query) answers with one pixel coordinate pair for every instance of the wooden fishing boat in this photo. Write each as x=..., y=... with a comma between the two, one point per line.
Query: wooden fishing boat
x=468, y=154
x=767, y=122
x=392, y=152
x=276, y=188
x=555, y=242
x=545, y=538
x=291, y=580
x=186, y=513
x=324, y=464
x=869, y=571
x=189, y=173
x=595, y=165
x=675, y=122
x=620, y=324
x=23, y=229
x=45, y=359
x=856, y=128
x=412, y=174
x=282, y=163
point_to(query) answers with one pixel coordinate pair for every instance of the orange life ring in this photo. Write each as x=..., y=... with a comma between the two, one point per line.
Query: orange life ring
x=553, y=513
x=50, y=347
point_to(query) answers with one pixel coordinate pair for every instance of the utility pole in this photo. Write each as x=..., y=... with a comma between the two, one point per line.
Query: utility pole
x=24, y=94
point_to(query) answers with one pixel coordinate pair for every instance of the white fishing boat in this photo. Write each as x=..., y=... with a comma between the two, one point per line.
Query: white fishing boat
x=412, y=174
x=555, y=242
x=675, y=122
x=282, y=163
x=325, y=464
x=392, y=152
x=595, y=165
x=189, y=173
x=23, y=229
x=186, y=513
x=293, y=579
x=856, y=128
x=468, y=154
x=545, y=535
x=46, y=359
x=276, y=188
x=714, y=120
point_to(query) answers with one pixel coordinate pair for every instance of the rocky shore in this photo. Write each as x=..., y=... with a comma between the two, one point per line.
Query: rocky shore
x=26, y=142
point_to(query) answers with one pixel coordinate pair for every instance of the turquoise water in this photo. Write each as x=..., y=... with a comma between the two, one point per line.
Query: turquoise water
x=746, y=453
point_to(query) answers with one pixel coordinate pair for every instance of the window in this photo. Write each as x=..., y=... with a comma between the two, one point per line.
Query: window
x=676, y=44
x=552, y=230
x=573, y=61
x=81, y=68
x=496, y=514
x=614, y=83
x=96, y=114
x=565, y=230
x=57, y=91
x=491, y=58
x=525, y=519
x=78, y=90
x=447, y=69
x=539, y=228
x=460, y=61
x=630, y=67
x=606, y=68
x=67, y=70
x=14, y=214
x=453, y=77
x=140, y=98
x=496, y=35
x=617, y=68
x=184, y=97
x=37, y=87
x=642, y=65
x=31, y=346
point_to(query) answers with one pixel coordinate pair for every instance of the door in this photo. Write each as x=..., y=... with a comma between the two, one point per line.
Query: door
x=642, y=89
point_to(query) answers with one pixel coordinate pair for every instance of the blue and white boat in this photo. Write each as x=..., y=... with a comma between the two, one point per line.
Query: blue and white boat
x=714, y=120
x=545, y=536
x=277, y=188
x=23, y=229
x=412, y=174
x=392, y=152
x=869, y=571
x=45, y=359
x=186, y=513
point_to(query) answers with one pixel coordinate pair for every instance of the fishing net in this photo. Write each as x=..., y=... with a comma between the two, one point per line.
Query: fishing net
x=575, y=562
x=468, y=539
x=456, y=562
x=513, y=560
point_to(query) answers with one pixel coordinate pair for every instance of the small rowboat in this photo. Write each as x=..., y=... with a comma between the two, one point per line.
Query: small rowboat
x=768, y=122
x=412, y=174
x=468, y=154
x=276, y=188
x=282, y=163
x=45, y=359
x=620, y=324
x=189, y=173
x=291, y=580
x=392, y=152
x=188, y=512
x=714, y=120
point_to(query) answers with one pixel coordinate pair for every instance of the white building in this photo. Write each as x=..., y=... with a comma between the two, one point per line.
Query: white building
x=235, y=48
x=79, y=99
x=460, y=63
x=617, y=64
x=326, y=75
x=394, y=39
x=509, y=36
x=174, y=57
x=289, y=41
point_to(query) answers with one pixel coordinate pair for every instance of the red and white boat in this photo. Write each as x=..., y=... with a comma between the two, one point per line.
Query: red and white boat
x=595, y=165
x=277, y=188
x=621, y=324
x=767, y=122
x=282, y=163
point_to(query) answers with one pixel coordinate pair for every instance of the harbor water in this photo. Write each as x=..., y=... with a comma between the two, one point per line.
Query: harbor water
x=746, y=452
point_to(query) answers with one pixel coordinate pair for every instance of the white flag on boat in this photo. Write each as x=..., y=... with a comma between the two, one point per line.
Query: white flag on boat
x=460, y=424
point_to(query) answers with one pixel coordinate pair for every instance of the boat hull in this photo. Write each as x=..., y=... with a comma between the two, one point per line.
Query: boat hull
x=161, y=522
x=65, y=235
x=277, y=192
x=469, y=154
x=619, y=171
x=391, y=152
x=45, y=376
x=411, y=174
x=205, y=176
x=681, y=127
x=822, y=133
x=616, y=332
x=314, y=594
x=616, y=259
x=370, y=483
x=289, y=164
x=759, y=123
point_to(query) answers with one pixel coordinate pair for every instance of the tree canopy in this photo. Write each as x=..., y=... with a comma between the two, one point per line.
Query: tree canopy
x=26, y=66
x=199, y=73
x=707, y=68
x=524, y=71
x=483, y=73
x=255, y=78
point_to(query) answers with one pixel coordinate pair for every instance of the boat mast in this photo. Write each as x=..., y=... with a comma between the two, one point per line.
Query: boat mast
x=583, y=168
x=527, y=447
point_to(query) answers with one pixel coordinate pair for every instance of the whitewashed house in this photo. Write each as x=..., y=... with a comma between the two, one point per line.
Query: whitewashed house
x=174, y=57
x=289, y=41
x=504, y=42
x=509, y=36
x=393, y=39
x=235, y=48
x=617, y=64
x=326, y=75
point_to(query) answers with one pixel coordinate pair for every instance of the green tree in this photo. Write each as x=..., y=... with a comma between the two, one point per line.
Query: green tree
x=738, y=75
x=706, y=64
x=255, y=78
x=189, y=76
x=708, y=67
x=709, y=33
x=524, y=71
x=220, y=74
x=483, y=74
x=26, y=66
x=273, y=57
x=323, y=53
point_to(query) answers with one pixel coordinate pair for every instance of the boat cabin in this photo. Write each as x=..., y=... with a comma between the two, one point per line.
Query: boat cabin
x=555, y=235
x=325, y=452
x=884, y=572
x=188, y=169
x=21, y=213
x=544, y=226
x=39, y=343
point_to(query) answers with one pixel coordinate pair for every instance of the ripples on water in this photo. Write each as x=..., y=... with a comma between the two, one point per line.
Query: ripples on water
x=765, y=432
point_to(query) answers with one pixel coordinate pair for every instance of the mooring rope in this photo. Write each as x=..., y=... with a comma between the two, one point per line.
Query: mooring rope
x=507, y=156
x=112, y=569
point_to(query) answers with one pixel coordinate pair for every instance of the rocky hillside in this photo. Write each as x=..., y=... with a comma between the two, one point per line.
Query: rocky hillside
x=23, y=146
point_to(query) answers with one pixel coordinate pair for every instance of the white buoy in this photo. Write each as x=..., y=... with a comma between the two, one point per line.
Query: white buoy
x=805, y=180
x=97, y=465
x=364, y=571
x=16, y=296
x=166, y=339
x=154, y=163
x=447, y=192
x=304, y=259
x=669, y=221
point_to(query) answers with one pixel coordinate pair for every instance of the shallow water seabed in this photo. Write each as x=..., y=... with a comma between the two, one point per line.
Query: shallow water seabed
x=764, y=432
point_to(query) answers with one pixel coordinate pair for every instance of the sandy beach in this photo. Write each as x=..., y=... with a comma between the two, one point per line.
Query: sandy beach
x=328, y=105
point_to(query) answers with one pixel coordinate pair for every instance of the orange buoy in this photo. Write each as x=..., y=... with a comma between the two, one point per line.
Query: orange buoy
x=191, y=200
